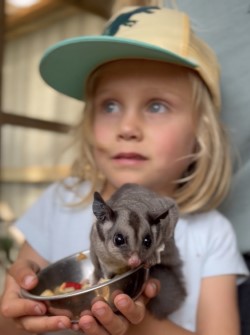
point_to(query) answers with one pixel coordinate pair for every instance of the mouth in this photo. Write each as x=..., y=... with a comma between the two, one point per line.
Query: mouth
x=129, y=158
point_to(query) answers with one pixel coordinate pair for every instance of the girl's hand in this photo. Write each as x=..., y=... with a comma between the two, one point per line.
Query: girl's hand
x=28, y=314
x=131, y=312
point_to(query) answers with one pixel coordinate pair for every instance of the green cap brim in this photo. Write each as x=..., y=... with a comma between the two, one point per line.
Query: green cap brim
x=67, y=65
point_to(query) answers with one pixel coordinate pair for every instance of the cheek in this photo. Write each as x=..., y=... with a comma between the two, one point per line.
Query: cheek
x=175, y=144
x=102, y=137
x=100, y=132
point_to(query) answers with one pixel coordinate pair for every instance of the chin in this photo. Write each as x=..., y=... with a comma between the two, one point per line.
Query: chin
x=118, y=183
x=164, y=190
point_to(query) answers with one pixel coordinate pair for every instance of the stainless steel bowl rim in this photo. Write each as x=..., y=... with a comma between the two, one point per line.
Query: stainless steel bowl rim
x=28, y=295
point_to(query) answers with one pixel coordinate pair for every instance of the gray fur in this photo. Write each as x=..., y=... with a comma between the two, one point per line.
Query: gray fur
x=136, y=226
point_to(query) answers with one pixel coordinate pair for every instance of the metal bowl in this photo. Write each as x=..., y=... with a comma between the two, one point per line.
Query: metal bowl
x=76, y=268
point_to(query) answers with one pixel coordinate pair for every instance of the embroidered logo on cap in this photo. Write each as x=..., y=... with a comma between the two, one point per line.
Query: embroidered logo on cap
x=125, y=19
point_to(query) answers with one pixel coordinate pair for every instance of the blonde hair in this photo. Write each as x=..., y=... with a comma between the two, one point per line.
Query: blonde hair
x=207, y=179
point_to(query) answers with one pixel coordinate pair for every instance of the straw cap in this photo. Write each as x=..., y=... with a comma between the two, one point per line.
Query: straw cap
x=148, y=32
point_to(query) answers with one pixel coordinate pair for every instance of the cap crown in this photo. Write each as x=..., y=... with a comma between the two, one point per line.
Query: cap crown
x=148, y=32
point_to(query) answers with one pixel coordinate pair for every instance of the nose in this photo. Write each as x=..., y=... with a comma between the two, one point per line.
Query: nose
x=130, y=128
x=134, y=260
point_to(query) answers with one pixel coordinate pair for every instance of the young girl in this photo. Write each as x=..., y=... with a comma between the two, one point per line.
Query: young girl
x=152, y=97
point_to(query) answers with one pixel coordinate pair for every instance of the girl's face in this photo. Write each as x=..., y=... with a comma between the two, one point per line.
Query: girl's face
x=144, y=127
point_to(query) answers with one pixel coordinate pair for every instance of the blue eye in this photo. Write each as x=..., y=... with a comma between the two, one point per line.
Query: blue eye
x=111, y=107
x=157, y=107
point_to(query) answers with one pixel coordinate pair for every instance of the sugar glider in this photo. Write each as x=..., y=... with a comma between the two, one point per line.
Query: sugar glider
x=136, y=226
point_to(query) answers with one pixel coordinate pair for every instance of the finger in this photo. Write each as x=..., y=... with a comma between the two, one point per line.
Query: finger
x=152, y=288
x=114, y=324
x=22, y=307
x=134, y=311
x=43, y=324
x=24, y=273
x=25, y=308
x=14, y=306
x=90, y=326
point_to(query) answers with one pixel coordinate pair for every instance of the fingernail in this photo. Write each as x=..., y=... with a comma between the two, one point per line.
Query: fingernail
x=28, y=280
x=153, y=286
x=87, y=325
x=75, y=327
x=100, y=311
x=61, y=325
x=122, y=303
x=139, y=303
x=38, y=310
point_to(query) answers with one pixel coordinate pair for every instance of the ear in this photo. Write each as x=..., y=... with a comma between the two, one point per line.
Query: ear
x=167, y=216
x=173, y=216
x=101, y=210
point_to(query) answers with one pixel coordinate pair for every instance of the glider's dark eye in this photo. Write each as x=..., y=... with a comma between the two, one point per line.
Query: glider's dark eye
x=147, y=241
x=119, y=240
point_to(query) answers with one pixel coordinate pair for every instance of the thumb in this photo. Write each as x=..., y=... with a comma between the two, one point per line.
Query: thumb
x=24, y=273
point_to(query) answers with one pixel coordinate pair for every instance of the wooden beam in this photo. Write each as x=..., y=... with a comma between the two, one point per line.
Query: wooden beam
x=28, y=122
x=47, y=12
x=98, y=7
x=36, y=17
x=34, y=174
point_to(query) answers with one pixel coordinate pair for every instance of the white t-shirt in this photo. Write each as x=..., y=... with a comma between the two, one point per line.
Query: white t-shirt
x=206, y=242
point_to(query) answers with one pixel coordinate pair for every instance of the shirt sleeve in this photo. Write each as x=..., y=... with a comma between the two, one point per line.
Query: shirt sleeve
x=35, y=224
x=54, y=227
x=222, y=255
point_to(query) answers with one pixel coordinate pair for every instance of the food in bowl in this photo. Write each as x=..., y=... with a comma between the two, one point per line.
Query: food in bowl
x=65, y=287
x=70, y=286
